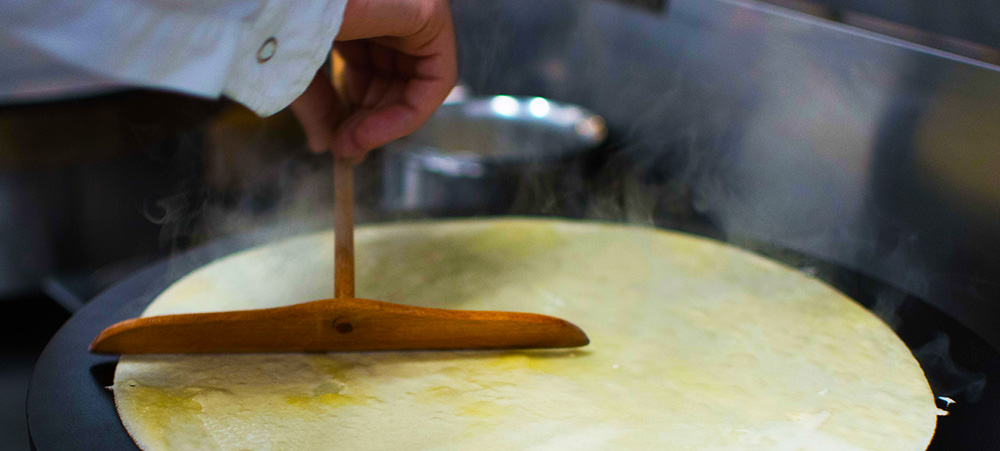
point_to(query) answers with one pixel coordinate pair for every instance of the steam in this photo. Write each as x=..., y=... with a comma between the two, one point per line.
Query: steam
x=887, y=305
x=946, y=378
x=673, y=159
x=627, y=199
x=253, y=178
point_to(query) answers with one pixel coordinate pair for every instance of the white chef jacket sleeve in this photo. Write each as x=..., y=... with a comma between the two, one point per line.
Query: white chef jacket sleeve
x=261, y=53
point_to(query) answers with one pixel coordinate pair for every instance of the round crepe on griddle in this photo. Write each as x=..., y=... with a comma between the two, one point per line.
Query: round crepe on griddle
x=694, y=345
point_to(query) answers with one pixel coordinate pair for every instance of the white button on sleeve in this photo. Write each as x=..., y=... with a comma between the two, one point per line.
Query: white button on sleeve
x=281, y=51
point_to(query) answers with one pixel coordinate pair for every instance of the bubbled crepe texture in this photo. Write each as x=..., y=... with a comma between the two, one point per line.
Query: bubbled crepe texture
x=694, y=345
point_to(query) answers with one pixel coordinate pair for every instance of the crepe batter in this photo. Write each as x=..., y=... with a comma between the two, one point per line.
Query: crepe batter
x=695, y=345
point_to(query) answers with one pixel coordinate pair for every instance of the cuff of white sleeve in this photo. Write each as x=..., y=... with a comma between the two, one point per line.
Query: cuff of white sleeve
x=133, y=42
x=280, y=52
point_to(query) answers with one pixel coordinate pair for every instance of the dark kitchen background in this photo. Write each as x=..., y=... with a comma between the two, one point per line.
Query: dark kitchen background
x=857, y=140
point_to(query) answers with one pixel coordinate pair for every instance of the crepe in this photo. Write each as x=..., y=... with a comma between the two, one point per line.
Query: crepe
x=694, y=345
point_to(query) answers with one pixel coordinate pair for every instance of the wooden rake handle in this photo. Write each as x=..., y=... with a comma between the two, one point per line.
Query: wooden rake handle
x=343, y=226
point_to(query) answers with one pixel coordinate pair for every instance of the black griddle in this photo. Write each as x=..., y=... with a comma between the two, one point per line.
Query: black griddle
x=69, y=408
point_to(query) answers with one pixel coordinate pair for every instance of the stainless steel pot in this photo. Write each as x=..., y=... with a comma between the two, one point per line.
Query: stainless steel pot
x=477, y=156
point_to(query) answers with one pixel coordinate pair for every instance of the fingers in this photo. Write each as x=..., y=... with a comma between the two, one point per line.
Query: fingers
x=376, y=92
x=319, y=109
x=418, y=98
x=420, y=77
x=344, y=139
x=387, y=124
x=400, y=65
x=376, y=18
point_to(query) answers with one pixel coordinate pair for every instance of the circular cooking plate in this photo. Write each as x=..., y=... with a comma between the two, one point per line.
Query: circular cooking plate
x=69, y=408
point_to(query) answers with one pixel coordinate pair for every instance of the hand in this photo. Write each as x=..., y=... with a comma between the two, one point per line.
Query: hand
x=400, y=65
